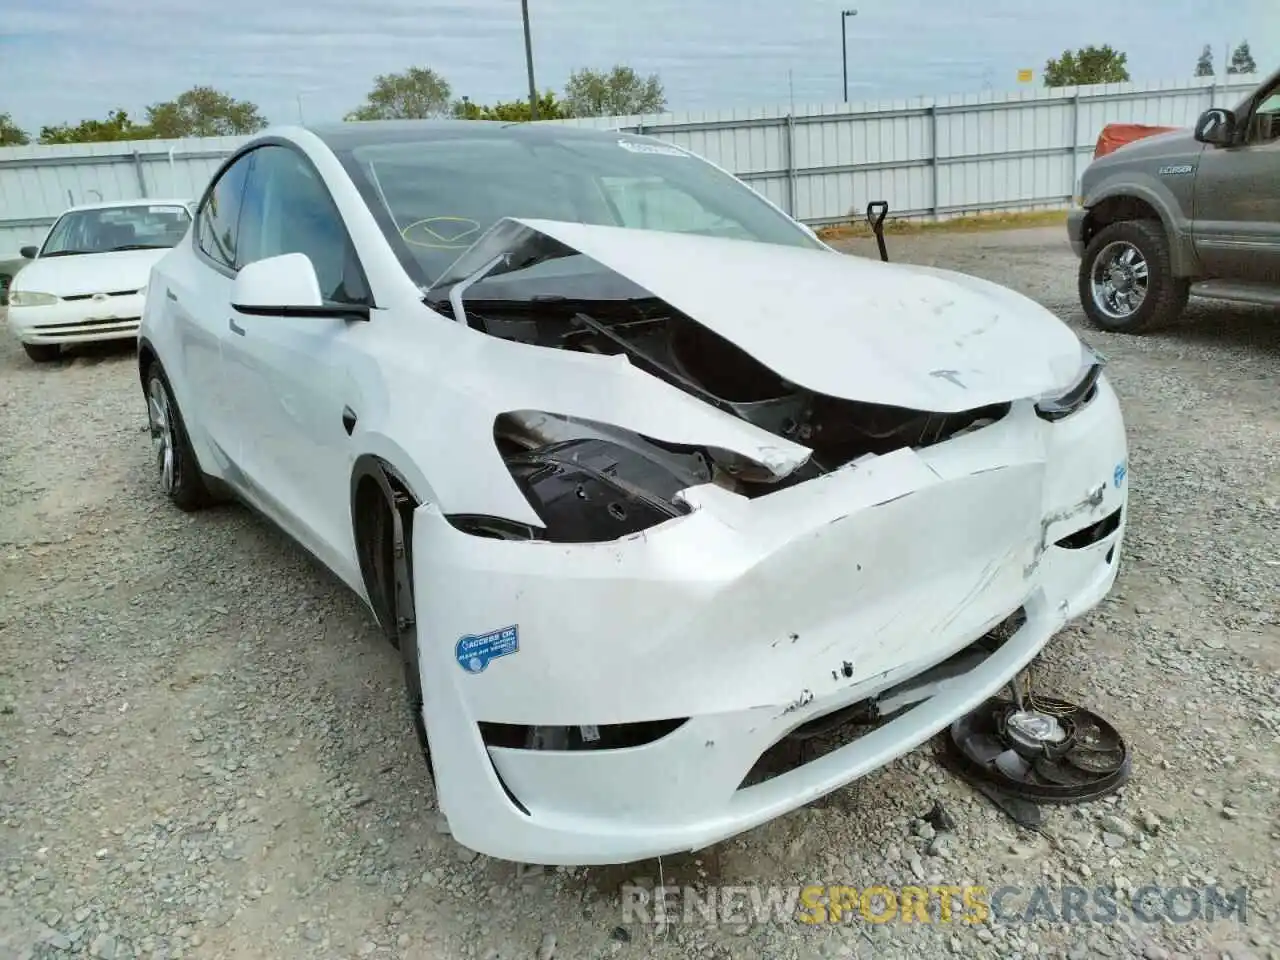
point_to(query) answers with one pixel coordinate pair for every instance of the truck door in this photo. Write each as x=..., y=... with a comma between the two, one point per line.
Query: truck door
x=1237, y=196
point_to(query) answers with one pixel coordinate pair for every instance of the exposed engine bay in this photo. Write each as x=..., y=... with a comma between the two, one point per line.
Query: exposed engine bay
x=563, y=465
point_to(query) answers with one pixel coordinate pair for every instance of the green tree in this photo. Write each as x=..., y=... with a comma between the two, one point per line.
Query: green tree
x=1242, y=60
x=117, y=126
x=617, y=93
x=12, y=135
x=1204, y=66
x=1085, y=66
x=515, y=111
x=417, y=94
x=203, y=112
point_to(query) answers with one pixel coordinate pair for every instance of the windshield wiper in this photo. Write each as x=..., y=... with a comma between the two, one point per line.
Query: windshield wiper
x=67, y=253
x=140, y=246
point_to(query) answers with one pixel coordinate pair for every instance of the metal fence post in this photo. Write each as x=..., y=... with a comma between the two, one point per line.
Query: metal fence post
x=1075, y=139
x=142, y=179
x=935, y=204
x=791, y=165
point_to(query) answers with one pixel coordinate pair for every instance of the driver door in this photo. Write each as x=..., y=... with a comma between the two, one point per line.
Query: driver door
x=1237, y=197
x=293, y=376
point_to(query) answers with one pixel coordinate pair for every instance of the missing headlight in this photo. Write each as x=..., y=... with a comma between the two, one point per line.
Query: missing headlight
x=591, y=490
x=589, y=483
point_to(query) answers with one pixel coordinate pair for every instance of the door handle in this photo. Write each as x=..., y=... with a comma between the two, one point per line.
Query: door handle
x=171, y=295
x=348, y=420
x=235, y=327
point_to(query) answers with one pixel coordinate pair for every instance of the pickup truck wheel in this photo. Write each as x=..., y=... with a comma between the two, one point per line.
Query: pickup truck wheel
x=1126, y=280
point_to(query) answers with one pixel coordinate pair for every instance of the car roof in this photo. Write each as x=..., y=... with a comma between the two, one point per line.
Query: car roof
x=114, y=204
x=348, y=135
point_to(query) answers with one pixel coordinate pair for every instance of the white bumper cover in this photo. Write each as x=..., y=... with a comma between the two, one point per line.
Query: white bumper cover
x=78, y=321
x=749, y=618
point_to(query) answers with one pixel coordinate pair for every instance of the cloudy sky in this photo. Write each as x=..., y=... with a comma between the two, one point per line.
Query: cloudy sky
x=71, y=59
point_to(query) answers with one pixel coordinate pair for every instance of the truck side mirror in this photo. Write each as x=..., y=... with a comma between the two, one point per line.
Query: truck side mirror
x=1216, y=126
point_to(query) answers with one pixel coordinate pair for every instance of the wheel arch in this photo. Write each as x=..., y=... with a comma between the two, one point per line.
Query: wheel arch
x=378, y=489
x=1133, y=201
x=146, y=356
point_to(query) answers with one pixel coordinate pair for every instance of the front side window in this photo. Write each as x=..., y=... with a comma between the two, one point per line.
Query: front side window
x=288, y=209
x=1264, y=125
x=107, y=229
x=440, y=195
x=218, y=218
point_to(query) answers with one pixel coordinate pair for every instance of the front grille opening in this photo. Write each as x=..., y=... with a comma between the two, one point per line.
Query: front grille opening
x=610, y=736
x=827, y=733
x=1092, y=533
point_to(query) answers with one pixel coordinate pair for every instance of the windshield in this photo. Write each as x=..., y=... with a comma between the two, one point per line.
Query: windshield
x=102, y=230
x=442, y=194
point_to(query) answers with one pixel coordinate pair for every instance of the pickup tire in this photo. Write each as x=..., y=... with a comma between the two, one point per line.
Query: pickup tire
x=1120, y=257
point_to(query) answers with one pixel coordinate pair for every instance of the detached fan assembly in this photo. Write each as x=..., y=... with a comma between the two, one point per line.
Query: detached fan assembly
x=1041, y=750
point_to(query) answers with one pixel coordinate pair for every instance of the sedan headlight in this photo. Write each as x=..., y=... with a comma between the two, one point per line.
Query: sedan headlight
x=30, y=298
x=1080, y=392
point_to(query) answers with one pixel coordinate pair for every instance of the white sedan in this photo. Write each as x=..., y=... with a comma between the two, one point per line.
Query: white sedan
x=646, y=483
x=87, y=280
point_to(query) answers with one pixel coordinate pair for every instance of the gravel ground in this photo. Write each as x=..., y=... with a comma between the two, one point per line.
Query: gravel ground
x=206, y=754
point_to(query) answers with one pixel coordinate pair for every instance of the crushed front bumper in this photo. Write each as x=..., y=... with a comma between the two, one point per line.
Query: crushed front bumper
x=744, y=620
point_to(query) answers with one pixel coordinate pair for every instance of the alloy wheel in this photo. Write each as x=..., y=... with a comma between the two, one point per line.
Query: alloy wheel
x=1119, y=280
x=160, y=415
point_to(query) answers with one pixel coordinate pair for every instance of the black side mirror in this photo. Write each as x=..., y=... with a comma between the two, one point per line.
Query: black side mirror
x=1216, y=126
x=28, y=253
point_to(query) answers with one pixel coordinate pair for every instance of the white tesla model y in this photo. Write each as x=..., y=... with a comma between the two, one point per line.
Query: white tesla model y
x=645, y=482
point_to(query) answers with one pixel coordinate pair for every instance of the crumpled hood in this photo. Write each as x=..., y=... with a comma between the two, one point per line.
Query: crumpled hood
x=89, y=273
x=846, y=326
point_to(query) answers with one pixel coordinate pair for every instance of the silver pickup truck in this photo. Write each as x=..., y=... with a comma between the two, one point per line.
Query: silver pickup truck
x=1190, y=212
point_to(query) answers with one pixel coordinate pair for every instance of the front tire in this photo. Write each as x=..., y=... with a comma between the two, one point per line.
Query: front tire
x=1126, y=281
x=177, y=469
x=43, y=352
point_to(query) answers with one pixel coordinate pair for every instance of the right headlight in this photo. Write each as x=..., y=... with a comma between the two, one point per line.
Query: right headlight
x=1079, y=393
x=30, y=298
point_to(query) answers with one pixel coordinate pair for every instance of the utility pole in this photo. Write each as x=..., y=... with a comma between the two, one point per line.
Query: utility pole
x=528, y=57
x=844, y=48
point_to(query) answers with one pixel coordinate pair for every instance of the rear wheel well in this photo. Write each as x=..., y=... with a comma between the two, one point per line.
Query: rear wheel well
x=376, y=492
x=1114, y=209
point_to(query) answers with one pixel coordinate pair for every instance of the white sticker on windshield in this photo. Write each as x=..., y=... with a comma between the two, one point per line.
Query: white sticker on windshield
x=657, y=149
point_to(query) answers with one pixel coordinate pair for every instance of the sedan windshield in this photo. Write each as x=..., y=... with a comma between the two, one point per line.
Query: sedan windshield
x=106, y=229
x=443, y=194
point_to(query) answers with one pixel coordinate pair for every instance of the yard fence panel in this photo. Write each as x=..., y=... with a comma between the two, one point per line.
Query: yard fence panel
x=927, y=157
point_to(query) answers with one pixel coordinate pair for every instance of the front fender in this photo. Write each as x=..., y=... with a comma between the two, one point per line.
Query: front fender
x=1133, y=185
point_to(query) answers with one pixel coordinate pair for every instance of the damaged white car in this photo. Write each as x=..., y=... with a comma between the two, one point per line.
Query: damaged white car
x=646, y=483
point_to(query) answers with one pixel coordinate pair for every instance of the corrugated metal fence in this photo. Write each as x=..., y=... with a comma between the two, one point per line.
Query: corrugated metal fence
x=823, y=164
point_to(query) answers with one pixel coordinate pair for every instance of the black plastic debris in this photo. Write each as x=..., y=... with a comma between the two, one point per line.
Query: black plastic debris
x=939, y=818
x=1044, y=751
